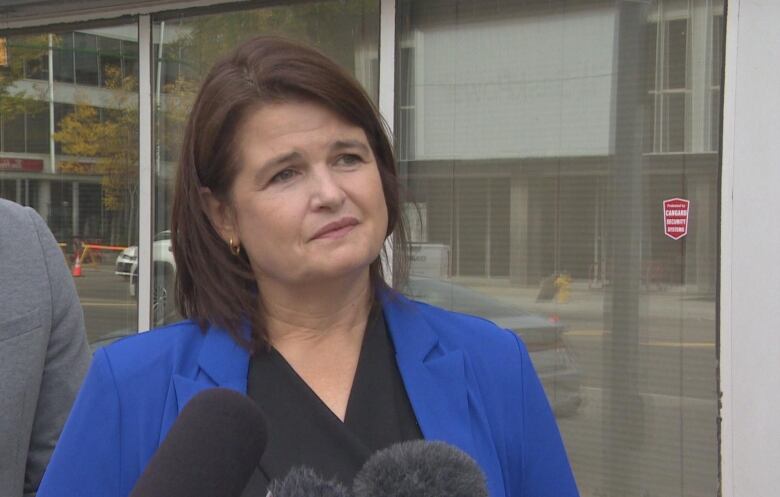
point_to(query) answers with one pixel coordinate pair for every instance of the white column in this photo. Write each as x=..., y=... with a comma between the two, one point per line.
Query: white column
x=52, y=150
x=519, y=246
x=44, y=198
x=699, y=52
x=750, y=267
x=387, y=91
x=145, y=190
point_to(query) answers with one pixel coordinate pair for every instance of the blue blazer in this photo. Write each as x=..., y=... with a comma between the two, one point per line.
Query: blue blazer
x=470, y=384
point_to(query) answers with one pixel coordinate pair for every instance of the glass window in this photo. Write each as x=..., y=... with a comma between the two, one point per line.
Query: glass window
x=130, y=59
x=38, y=131
x=110, y=60
x=169, y=65
x=64, y=68
x=667, y=52
x=86, y=59
x=61, y=110
x=9, y=189
x=13, y=132
x=539, y=142
x=27, y=56
x=37, y=67
x=406, y=101
x=673, y=115
x=186, y=47
x=89, y=194
x=675, y=44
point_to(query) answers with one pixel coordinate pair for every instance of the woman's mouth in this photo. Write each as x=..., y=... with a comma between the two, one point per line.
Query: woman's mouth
x=336, y=229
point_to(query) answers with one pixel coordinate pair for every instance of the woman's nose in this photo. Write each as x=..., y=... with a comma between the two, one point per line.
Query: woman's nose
x=327, y=192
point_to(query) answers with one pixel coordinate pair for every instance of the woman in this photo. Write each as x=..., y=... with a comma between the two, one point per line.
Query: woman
x=286, y=193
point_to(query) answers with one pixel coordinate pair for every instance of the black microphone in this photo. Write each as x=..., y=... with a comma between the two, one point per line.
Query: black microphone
x=420, y=469
x=304, y=482
x=211, y=450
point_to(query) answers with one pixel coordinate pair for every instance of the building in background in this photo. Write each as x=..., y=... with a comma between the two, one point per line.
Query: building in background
x=507, y=119
x=66, y=99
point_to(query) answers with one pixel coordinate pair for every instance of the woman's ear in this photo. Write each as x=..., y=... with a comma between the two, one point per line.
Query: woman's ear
x=221, y=215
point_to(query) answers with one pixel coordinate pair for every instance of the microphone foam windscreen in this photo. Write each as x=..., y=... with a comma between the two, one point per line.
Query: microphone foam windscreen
x=420, y=469
x=211, y=450
x=304, y=482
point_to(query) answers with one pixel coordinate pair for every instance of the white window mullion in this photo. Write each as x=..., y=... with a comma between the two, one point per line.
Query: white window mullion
x=145, y=189
x=387, y=92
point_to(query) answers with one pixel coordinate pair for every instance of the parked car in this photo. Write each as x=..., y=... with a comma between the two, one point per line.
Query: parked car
x=125, y=260
x=164, y=265
x=543, y=336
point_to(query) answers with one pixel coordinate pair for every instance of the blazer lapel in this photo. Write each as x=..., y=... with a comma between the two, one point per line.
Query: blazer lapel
x=434, y=377
x=221, y=363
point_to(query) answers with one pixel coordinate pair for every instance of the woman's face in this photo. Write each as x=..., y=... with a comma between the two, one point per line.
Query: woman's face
x=307, y=203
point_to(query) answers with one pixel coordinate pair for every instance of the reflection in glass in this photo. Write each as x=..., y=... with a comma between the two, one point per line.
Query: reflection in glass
x=539, y=141
x=64, y=65
x=86, y=59
x=79, y=170
x=675, y=43
x=673, y=113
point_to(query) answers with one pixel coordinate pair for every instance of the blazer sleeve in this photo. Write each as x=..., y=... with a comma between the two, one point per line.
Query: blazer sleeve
x=545, y=469
x=86, y=461
x=66, y=360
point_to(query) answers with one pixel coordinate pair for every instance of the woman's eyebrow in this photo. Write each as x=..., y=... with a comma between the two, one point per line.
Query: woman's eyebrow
x=276, y=161
x=349, y=144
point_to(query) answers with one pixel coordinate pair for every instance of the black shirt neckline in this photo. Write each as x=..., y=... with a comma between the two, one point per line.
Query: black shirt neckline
x=304, y=431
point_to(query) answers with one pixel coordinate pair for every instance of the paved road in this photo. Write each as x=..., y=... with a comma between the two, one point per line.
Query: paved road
x=648, y=426
x=106, y=300
x=668, y=449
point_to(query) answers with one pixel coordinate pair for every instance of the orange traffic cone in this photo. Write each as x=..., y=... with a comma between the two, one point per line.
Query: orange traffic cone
x=77, y=267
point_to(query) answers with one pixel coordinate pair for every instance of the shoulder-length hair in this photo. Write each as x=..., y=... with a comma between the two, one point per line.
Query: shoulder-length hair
x=213, y=285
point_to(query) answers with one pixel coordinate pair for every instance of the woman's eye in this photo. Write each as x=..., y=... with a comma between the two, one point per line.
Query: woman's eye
x=282, y=176
x=350, y=160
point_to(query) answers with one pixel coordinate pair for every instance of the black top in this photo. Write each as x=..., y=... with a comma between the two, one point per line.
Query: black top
x=303, y=431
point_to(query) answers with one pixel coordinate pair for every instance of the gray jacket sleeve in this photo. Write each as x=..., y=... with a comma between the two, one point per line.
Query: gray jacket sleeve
x=66, y=362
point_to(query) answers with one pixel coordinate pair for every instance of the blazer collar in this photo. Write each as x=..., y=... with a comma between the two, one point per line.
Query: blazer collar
x=434, y=377
x=222, y=362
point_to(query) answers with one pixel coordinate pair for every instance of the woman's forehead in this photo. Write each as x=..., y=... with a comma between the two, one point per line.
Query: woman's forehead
x=297, y=124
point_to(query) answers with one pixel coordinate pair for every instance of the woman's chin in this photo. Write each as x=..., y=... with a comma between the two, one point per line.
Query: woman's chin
x=334, y=271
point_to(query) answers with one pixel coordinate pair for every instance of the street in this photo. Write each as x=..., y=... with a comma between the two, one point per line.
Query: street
x=647, y=428
x=106, y=300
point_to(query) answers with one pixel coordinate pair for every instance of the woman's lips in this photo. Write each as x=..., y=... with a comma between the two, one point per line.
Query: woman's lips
x=338, y=233
x=336, y=229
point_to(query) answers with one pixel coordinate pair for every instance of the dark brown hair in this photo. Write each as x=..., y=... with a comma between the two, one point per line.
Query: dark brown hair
x=213, y=285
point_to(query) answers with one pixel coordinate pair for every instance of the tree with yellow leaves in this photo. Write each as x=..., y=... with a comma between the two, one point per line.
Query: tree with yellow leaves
x=104, y=142
x=22, y=54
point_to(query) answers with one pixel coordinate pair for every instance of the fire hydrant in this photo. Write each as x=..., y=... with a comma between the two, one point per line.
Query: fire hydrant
x=562, y=286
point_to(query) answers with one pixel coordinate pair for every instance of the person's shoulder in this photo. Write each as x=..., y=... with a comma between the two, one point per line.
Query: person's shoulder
x=466, y=331
x=496, y=357
x=13, y=215
x=165, y=350
x=10, y=208
x=22, y=226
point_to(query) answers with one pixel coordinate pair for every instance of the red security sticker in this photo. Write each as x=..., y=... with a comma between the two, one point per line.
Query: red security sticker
x=676, y=214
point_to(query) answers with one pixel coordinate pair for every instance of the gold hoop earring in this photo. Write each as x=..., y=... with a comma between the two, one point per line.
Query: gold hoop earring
x=235, y=249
